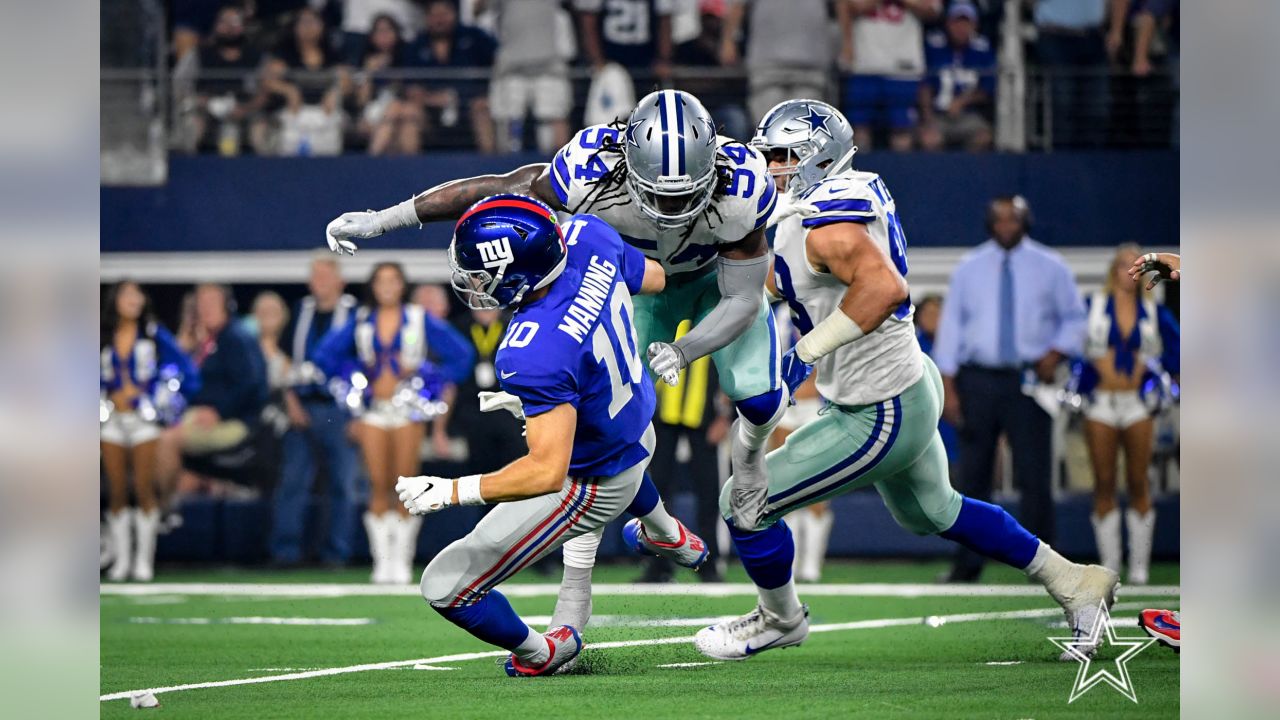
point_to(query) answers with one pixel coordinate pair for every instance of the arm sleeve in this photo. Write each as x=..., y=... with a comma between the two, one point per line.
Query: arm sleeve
x=542, y=391
x=171, y=354
x=1072, y=320
x=741, y=283
x=335, y=349
x=455, y=355
x=1171, y=338
x=946, y=346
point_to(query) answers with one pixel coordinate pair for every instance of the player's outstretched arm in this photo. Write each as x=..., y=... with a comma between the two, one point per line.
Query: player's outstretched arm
x=876, y=288
x=442, y=202
x=540, y=472
x=741, y=269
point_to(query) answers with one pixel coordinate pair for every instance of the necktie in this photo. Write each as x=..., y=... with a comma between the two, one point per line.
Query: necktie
x=1008, y=350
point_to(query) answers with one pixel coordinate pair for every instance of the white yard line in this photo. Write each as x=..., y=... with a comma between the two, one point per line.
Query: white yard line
x=933, y=621
x=341, y=590
x=299, y=621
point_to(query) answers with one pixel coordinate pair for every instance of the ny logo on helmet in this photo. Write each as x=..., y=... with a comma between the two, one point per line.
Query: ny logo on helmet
x=495, y=254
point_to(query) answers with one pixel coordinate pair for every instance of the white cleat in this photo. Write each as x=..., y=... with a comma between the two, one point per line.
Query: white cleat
x=1093, y=587
x=753, y=633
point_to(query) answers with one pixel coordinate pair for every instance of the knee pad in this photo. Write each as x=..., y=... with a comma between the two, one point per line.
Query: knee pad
x=763, y=409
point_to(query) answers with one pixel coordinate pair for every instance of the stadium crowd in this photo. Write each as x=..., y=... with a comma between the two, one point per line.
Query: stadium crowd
x=324, y=401
x=323, y=77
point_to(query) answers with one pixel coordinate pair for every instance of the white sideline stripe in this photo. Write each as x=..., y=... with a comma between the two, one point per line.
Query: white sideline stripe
x=252, y=621
x=689, y=665
x=341, y=590
x=935, y=621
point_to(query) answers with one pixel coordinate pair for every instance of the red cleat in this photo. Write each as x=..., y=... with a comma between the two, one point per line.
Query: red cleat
x=1163, y=625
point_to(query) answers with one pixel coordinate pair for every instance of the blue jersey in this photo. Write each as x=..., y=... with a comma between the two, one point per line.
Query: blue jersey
x=577, y=345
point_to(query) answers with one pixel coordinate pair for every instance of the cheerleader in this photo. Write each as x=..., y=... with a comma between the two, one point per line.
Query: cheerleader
x=381, y=350
x=1131, y=343
x=139, y=360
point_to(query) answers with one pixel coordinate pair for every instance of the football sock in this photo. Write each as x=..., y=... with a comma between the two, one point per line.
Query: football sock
x=534, y=650
x=1055, y=572
x=766, y=554
x=989, y=530
x=573, y=603
x=647, y=505
x=781, y=601
x=491, y=619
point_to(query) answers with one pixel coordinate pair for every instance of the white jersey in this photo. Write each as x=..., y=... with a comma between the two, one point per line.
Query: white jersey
x=746, y=204
x=890, y=41
x=887, y=360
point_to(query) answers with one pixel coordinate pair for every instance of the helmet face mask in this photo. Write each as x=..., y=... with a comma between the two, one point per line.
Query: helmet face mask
x=670, y=151
x=474, y=287
x=813, y=134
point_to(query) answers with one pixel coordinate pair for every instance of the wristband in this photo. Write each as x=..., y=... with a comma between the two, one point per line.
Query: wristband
x=399, y=216
x=469, y=490
x=836, y=330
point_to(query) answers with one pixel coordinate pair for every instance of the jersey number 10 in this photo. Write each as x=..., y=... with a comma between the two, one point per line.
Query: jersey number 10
x=619, y=354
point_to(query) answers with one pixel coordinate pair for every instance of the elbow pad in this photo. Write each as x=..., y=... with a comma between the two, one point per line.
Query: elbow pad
x=741, y=283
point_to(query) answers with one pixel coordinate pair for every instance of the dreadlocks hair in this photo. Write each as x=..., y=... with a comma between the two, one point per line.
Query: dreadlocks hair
x=611, y=191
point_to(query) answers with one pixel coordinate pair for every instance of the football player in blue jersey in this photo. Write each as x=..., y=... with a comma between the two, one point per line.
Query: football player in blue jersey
x=571, y=359
x=697, y=203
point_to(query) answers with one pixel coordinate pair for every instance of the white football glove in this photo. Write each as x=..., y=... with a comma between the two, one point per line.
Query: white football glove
x=667, y=361
x=502, y=400
x=348, y=225
x=425, y=494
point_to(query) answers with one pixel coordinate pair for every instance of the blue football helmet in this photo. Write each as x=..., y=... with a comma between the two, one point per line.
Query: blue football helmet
x=504, y=247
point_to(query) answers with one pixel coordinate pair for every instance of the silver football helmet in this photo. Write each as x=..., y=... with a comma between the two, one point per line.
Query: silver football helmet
x=670, y=149
x=813, y=138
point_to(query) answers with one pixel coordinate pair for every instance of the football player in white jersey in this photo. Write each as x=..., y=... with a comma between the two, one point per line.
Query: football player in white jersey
x=697, y=203
x=840, y=264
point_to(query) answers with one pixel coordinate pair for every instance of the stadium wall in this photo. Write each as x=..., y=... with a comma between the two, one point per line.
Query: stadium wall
x=1096, y=199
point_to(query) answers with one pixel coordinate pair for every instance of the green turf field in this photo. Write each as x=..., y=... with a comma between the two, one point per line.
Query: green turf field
x=851, y=666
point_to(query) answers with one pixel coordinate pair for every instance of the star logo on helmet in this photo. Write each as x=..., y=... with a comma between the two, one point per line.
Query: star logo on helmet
x=818, y=121
x=631, y=133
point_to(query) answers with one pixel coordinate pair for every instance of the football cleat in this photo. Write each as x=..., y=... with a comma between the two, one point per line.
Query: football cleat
x=565, y=644
x=1093, y=587
x=1163, y=625
x=753, y=633
x=689, y=551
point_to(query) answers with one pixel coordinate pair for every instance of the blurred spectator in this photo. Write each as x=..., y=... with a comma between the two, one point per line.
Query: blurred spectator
x=928, y=314
x=530, y=74
x=689, y=412
x=233, y=388
x=434, y=299
x=1013, y=313
x=134, y=350
x=1126, y=331
x=722, y=96
x=636, y=34
x=304, y=82
x=224, y=72
x=387, y=343
x=956, y=99
x=271, y=315
x=192, y=20
x=317, y=428
x=390, y=116
x=360, y=19
x=888, y=62
x=446, y=44
x=493, y=439
x=791, y=49
x=1073, y=51
x=1142, y=89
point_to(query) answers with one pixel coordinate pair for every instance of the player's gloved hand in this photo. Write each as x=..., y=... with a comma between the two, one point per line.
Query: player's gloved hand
x=794, y=372
x=667, y=361
x=425, y=494
x=491, y=401
x=348, y=225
